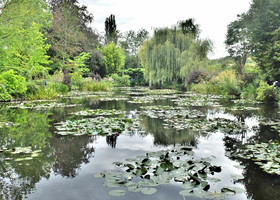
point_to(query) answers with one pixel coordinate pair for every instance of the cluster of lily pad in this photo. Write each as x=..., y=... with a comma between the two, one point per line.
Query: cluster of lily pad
x=192, y=120
x=266, y=155
x=144, y=173
x=273, y=124
x=19, y=153
x=150, y=98
x=197, y=100
x=32, y=105
x=96, y=126
x=162, y=91
x=99, y=112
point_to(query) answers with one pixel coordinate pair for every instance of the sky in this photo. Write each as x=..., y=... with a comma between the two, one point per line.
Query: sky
x=213, y=16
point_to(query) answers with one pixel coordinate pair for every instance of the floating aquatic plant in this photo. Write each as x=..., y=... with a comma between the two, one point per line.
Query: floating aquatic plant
x=20, y=153
x=32, y=105
x=96, y=126
x=98, y=112
x=266, y=155
x=164, y=167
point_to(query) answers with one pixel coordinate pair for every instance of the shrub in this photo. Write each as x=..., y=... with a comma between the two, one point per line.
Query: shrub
x=205, y=88
x=32, y=88
x=228, y=83
x=266, y=93
x=195, y=76
x=15, y=85
x=4, y=95
x=61, y=88
x=95, y=86
x=121, y=81
x=77, y=81
x=43, y=92
x=249, y=92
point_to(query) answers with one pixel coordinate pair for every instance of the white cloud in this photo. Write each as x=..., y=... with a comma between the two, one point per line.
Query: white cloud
x=213, y=16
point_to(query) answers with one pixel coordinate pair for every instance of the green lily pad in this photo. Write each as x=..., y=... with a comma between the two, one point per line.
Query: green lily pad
x=149, y=190
x=117, y=193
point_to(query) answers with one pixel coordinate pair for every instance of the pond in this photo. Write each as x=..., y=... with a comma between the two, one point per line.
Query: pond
x=136, y=143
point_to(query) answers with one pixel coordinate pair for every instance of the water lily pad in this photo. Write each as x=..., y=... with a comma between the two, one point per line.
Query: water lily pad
x=237, y=177
x=117, y=193
x=186, y=193
x=149, y=190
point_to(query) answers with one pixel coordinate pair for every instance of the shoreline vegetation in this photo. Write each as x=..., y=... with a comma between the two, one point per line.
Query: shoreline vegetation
x=54, y=50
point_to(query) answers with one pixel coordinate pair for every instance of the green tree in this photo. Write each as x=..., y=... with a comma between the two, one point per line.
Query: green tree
x=22, y=44
x=264, y=26
x=113, y=58
x=111, y=32
x=131, y=43
x=189, y=27
x=237, y=41
x=171, y=54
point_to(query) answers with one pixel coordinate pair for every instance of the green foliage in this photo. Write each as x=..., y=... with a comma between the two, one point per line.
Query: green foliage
x=113, y=58
x=4, y=95
x=14, y=84
x=133, y=41
x=225, y=83
x=170, y=55
x=206, y=88
x=96, y=86
x=136, y=75
x=257, y=32
x=22, y=47
x=249, y=92
x=237, y=42
x=49, y=92
x=78, y=63
x=111, y=33
x=266, y=93
x=121, y=81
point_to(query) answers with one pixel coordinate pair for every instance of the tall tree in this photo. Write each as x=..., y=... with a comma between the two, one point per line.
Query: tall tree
x=189, y=27
x=264, y=26
x=22, y=43
x=111, y=33
x=131, y=43
x=113, y=58
x=171, y=54
x=237, y=41
x=66, y=34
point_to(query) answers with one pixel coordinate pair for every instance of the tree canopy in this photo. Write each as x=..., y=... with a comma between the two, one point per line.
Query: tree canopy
x=172, y=53
x=258, y=32
x=22, y=44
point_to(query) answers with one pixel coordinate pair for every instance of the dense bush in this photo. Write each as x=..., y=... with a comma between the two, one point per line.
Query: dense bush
x=32, y=88
x=61, y=88
x=266, y=93
x=15, y=85
x=4, y=95
x=95, y=86
x=195, y=77
x=225, y=83
x=205, y=88
x=136, y=75
x=121, y=81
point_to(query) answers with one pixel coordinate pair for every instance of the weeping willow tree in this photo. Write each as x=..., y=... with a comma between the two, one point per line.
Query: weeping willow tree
x=172, y=53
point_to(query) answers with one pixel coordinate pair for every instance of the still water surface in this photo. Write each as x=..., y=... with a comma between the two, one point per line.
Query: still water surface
x=65, y=168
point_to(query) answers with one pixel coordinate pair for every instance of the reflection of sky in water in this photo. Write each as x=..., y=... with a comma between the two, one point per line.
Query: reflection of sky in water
x=83, y=186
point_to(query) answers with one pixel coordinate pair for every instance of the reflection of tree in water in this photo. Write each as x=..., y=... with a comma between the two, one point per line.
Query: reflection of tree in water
x=259, y=184
x=18, y=179
x=168, y=136
x=70, y=152
x=112, y=140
